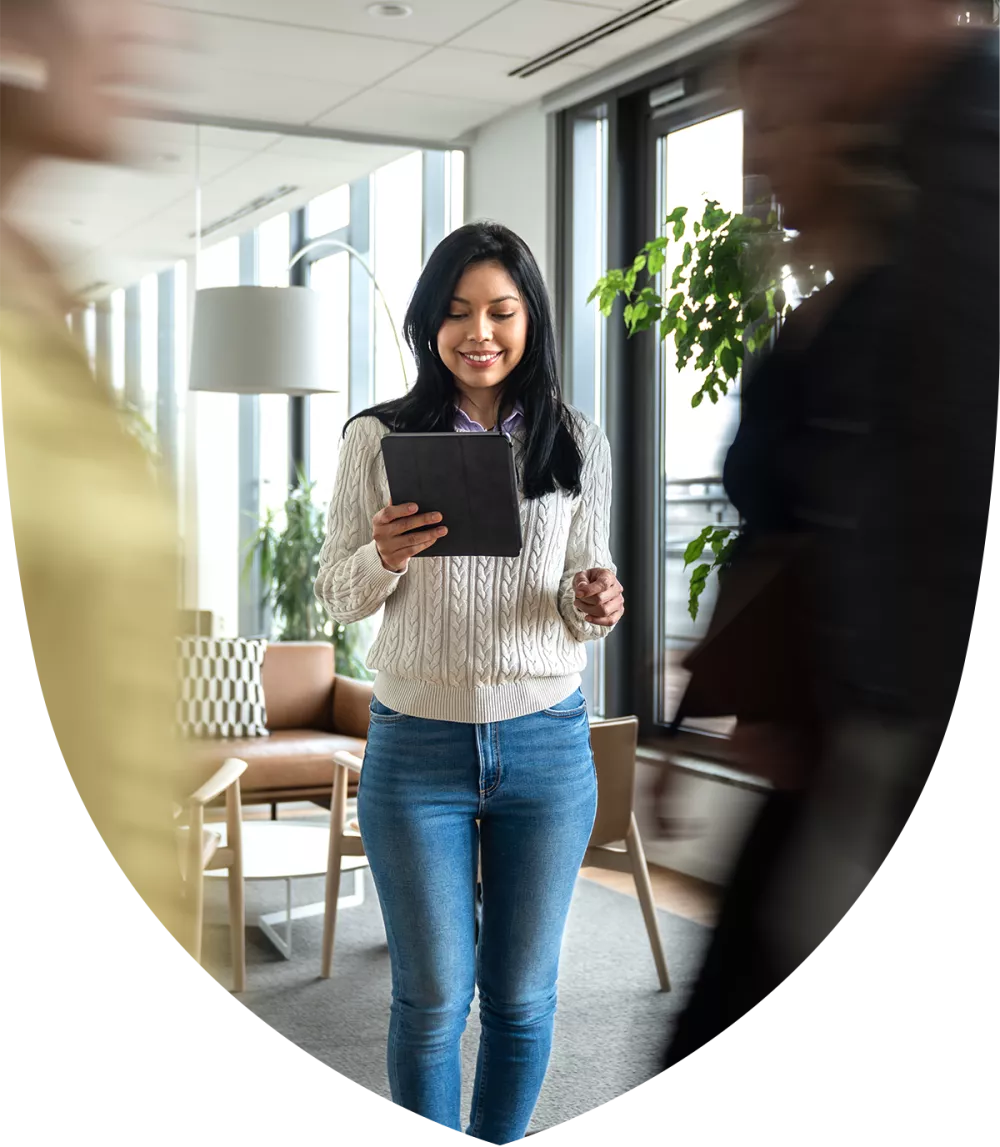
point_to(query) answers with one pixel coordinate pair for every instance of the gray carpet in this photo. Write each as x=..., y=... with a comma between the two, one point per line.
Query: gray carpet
x=611, y=1024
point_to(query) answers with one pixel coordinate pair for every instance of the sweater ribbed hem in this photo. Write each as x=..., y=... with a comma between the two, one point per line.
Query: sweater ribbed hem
x=476, y=706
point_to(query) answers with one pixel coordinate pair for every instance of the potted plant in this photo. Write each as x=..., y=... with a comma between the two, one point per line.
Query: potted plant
x=288, y=560
x=725, y=298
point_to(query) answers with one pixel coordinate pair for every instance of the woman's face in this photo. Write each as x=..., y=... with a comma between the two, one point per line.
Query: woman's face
x=485, y=332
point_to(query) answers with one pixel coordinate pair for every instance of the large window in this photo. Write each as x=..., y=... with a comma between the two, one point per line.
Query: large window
x=118, y=341
x=328, y=412
x=455, y=203
x=273, y=239
x=699, y=162
x=180, y=386
x=625, y=161
x=149, y=304
x=585, y=330
x=234, y=456
x=398, y=239
x=217, y=469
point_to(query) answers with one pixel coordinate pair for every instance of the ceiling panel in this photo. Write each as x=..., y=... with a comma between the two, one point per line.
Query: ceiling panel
x=151, y=140
x=362, y=157
x=78, y=191
x=437, y=74
x=432, y=22
x=381, y=110
x=273, y=49
x=245, y=94
x=536, y=25
x=484, y=76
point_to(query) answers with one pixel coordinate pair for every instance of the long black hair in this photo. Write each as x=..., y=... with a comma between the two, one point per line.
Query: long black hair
x=552, y=455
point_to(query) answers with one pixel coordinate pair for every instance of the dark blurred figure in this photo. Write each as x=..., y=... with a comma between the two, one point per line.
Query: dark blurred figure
x=866, y=450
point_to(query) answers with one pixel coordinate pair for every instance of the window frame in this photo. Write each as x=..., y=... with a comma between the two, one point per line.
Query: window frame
x=633, y=414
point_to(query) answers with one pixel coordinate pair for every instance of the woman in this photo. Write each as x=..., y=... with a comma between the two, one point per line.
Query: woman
x=477, y=716
x=96, y=540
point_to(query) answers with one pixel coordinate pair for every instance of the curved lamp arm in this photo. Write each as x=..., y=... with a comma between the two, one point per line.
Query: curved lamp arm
x=371, y=275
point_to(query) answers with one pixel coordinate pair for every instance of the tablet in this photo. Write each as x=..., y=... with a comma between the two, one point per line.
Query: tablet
x=469, y=480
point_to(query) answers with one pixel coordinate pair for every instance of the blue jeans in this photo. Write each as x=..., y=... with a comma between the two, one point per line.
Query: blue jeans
x=531, y=785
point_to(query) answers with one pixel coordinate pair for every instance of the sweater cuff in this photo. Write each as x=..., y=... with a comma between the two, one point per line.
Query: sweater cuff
x=374, y=574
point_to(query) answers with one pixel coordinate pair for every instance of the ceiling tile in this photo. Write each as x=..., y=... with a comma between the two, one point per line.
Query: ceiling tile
x=244, y=93
x=272, y=49
x=363, y=156
x=533, y=27
x=425, y=116
x=460, y=73
x=432, y=22
x=143, y=138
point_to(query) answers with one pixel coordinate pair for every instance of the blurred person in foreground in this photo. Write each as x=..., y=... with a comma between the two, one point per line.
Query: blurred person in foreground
x=866, y=450
x=95, y=540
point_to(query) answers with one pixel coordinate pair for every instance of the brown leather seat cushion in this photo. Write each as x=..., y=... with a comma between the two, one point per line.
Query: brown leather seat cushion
x=287, y=759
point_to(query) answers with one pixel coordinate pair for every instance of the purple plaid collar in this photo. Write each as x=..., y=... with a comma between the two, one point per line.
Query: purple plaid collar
x=467, y=425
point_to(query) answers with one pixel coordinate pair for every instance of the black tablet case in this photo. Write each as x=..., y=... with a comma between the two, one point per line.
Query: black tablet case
x=467, y=478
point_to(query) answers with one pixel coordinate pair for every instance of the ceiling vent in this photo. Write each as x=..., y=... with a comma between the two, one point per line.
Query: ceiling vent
x=250, y=208
x=601, y=32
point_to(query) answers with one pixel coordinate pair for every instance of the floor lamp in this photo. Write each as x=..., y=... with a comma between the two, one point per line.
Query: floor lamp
x=269, y=340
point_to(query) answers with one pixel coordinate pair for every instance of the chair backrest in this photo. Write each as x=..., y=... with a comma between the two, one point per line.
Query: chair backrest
x=298, y=679
x=614, y=744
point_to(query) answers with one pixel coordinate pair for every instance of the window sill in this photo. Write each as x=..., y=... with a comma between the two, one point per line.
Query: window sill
x=656, y=753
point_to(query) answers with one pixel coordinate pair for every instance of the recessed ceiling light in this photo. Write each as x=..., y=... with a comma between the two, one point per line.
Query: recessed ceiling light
x=77, y=222
x=169, y=157
x=390, y=11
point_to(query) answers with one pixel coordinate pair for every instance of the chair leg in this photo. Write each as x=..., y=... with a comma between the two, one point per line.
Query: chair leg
x=237, y=907
x=195, y=877
x=644, y=889
x=338, y=814
x=237, y=929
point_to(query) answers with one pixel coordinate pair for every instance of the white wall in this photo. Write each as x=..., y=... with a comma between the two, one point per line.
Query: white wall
x=508, y=178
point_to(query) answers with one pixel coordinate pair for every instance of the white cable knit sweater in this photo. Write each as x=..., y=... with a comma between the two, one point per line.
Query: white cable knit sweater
x=470, y=639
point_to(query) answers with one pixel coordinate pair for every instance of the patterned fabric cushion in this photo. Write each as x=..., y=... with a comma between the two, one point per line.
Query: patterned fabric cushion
x=221, y=694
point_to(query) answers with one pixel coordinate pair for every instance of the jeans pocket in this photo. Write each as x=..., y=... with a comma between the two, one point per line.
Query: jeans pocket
x=574, y=705
x=382, y=714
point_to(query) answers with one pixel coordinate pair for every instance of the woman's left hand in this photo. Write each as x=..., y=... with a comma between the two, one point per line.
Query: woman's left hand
x=599, y=595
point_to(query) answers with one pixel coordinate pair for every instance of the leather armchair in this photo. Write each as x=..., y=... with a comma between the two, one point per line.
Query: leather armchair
x=311, y=714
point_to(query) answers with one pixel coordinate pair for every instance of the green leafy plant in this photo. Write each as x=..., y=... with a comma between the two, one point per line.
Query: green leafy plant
x=723, y=301
x=287, y=556
x=720, y=540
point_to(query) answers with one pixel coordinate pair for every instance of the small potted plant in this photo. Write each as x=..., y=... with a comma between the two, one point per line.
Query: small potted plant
x=287, y=556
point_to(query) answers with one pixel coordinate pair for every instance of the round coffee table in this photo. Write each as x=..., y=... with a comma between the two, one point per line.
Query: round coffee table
x=280, y=850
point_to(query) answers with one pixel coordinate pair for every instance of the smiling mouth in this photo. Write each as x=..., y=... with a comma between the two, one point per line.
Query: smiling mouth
x=481, y=361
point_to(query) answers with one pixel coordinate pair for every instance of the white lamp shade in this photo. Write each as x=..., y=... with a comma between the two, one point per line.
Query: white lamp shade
x=261, y=340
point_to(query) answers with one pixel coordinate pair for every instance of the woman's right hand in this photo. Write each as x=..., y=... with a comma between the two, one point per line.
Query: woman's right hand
x=395, y=544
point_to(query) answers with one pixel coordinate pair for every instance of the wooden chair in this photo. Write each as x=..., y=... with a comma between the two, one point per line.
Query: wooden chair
x=614, y=745
x=201, y=851
x=345, y=840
